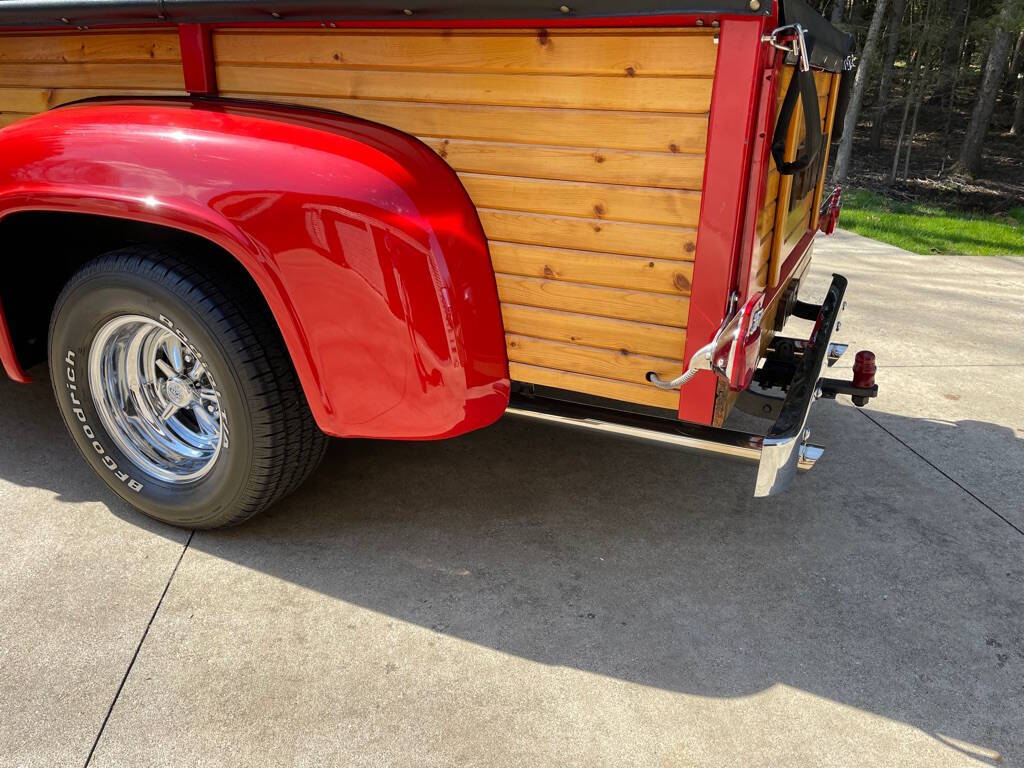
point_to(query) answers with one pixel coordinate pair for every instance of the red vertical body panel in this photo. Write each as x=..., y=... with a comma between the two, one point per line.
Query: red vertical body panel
x=733, y=106
x=197, y=63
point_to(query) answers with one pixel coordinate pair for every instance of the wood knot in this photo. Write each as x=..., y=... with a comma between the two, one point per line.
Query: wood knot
x=597, y=227
x=599, y=210
x=443, y=151
x=624, y=352
x=548, y=271
x=680, y=282
x=336, y=57
x=673, y=148
x=598, y=157
x=543, y=37
x=690, y=247
x=630, y=72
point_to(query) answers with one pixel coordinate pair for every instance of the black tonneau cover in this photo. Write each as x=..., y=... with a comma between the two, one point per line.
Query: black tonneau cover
x=87, y=12
x=828, y=46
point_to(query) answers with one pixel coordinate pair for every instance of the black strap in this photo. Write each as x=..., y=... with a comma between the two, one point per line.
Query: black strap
x=801, y=84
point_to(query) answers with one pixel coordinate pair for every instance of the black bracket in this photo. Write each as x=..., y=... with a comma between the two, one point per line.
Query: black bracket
x=832, y=387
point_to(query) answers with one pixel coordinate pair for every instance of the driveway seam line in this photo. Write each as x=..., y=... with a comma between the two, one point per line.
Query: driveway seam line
x=942, y=472
x=138, y=648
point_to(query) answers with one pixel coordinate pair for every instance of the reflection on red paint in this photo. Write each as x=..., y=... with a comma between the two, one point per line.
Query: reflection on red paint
x=363, y=241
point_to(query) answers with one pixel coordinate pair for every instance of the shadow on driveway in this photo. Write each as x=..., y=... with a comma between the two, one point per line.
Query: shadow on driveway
x=875, y=582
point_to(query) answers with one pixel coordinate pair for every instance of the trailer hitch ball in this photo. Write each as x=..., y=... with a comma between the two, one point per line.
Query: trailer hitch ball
x=863, y=374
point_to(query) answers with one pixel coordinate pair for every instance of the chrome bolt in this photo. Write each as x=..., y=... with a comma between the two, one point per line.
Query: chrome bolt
x=755, y=5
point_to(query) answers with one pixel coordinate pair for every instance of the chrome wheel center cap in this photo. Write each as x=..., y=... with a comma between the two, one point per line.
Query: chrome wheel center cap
x=179, y=393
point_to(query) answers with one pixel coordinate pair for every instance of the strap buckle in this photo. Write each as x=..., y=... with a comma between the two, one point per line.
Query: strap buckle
x=791, y=39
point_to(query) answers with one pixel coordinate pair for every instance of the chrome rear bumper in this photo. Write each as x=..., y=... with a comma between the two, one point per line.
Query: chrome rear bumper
x=778, y=454
x=785, y=448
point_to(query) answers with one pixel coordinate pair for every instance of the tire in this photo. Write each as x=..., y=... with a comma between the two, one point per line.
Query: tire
x=178, y=390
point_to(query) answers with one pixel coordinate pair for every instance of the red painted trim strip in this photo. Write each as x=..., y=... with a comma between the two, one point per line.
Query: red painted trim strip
x=726, y=175
x=672, y=20
x=197, y=62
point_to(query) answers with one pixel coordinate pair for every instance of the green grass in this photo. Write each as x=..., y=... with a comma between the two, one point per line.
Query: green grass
x=927, y=228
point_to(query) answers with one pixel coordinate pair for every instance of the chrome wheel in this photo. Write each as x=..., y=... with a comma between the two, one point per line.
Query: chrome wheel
x=156, y=398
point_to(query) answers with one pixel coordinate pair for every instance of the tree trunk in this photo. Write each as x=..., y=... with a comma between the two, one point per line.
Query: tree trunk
x=857, y=97
x=922, y=91
x=953, y=45
x=1018, y=112
x=892, y=45
x=913, y=71
x=1015, y=86
x=969, y=161
x=1018, y=55
x=950, y=106
x=899, y=136
x=837, y=11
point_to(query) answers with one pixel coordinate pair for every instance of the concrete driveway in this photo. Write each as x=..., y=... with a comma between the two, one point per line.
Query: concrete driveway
x=531, y=596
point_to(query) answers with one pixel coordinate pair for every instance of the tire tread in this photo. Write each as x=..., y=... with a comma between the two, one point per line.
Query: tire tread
x=287, y=443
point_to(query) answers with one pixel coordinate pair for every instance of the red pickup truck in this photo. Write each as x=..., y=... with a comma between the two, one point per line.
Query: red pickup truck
x=236, y=228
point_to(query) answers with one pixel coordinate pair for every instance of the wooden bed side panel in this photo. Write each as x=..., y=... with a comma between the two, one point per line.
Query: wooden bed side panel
x=582, y=149
x=39, y=71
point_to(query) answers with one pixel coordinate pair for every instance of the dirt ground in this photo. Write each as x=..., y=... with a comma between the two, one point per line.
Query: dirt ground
x=998, y=188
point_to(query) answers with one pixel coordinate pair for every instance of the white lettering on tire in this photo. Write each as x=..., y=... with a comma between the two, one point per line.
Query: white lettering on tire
x=88, y=431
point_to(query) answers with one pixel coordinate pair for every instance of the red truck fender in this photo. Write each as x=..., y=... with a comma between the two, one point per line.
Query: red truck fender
x=364, y=243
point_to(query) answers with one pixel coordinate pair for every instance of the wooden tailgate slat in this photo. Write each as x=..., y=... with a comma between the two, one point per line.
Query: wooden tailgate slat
x=642, y=205
x=6, y=118
x=564, y=91
x=587, y=128
x=614, y=271
x=572, y=328
x=641, y=52
x=594, y=385
x=161, y=75
x=33, y=100
x=58, y=48
x=599, y=301
x=651, y=169
x=605, y=363
x=649, y=240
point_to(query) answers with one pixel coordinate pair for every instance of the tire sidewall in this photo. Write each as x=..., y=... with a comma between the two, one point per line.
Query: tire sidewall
x=82, y=311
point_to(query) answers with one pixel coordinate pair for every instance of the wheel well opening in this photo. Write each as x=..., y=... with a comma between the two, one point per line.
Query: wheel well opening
x=43, y=249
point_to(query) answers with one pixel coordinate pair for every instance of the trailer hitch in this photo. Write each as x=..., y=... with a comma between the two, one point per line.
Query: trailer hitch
x=863, y=386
